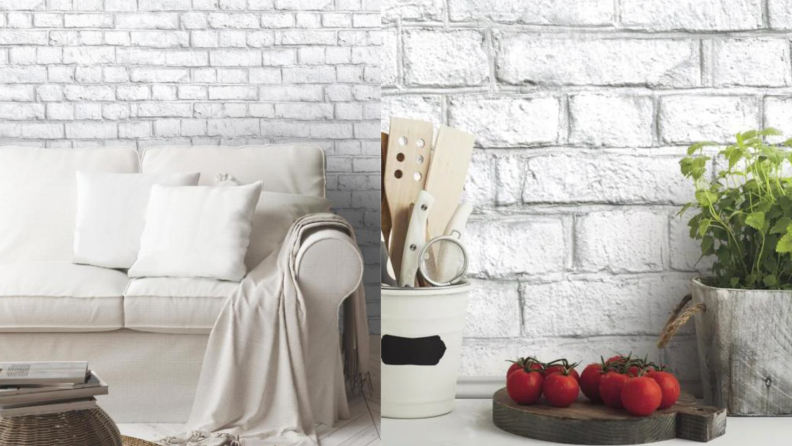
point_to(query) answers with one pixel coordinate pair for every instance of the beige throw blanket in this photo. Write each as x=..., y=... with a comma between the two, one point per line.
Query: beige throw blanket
x=253, y=388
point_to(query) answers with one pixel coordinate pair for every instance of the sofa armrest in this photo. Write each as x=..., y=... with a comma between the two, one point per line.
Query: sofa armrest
x=329, y=265
x=329, y=268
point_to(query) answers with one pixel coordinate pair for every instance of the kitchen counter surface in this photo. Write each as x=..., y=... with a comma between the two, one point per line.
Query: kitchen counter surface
x=470, y=424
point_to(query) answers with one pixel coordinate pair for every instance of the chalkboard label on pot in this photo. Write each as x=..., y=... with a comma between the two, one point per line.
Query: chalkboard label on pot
x=426, y=351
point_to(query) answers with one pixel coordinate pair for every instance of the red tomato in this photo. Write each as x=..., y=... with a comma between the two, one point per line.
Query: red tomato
x=560, y=390
x=559, y=369
x=521, y=363
x=590, y=382
x=634, y=370
x=617, y=358
x=641, y=396
x=515, y=366
x=668, y=385
x=610, y=389
x=524, y=387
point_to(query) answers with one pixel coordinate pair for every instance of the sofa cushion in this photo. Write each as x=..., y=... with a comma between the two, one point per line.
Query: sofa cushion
x=39, y=197
x=60, y=297
x=111, y=214
x=175, y=305
x=286, y=168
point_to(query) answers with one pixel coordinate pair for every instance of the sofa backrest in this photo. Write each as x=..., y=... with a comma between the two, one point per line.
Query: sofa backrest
x=285, y=168
x=38, y=197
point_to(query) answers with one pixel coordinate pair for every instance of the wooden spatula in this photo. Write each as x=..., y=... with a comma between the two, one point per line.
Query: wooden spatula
x=447, y=174
x=407, y=162
x=385, y=218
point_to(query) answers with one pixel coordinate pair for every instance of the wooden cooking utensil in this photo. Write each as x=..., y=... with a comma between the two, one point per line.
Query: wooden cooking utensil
x=447, y=173
x=406, y=166
x=385, y=218
x=416, y=238
x=455, y=224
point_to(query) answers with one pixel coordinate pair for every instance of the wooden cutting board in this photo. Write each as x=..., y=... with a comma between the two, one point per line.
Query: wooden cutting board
x=586, y=423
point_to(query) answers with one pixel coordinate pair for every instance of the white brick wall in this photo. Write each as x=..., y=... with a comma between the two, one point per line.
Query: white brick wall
x=582, y=111
x=161, y=72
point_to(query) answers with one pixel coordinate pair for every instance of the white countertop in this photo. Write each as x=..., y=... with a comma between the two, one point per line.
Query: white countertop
x=470, y=424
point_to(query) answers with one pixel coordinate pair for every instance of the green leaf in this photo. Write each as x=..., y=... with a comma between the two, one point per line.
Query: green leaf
x=770, y=280
x=755, y=220
x=705, y=198
x=734, y=282
x=785, y=203
x=784, y=245
x=781, y=225
x=703, y=226
x=698, y=146
x=707, y=244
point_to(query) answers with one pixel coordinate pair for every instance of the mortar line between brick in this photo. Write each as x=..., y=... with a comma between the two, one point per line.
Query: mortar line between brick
x=521, y=309
x=604, y=31
x=490, y=43
x=766, y=14
x=702, y=65
x=656, y=124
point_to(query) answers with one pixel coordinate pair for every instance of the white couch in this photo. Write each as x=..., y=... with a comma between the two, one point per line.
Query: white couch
x=146, y=337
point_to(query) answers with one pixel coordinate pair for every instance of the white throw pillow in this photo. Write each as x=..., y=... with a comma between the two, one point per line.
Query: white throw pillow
x=275, y=213
x=199, y=231
x=111, y=212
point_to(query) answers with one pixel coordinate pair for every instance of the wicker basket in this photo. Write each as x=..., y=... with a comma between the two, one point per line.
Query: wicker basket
x=92, y=427
x=129, y=441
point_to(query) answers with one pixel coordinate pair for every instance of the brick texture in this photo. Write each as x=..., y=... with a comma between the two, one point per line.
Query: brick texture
x=582, y=110
x=204, y=72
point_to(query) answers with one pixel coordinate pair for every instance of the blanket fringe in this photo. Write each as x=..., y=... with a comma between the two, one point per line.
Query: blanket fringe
x=195, y=438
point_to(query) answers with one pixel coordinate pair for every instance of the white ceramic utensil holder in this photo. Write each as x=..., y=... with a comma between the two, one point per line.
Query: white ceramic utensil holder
x=421, y=346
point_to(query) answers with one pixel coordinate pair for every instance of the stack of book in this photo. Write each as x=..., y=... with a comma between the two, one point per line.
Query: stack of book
x=40, y=388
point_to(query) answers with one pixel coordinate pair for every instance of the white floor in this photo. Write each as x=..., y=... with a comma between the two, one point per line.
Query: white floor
x=470, y=424
x=361, y=429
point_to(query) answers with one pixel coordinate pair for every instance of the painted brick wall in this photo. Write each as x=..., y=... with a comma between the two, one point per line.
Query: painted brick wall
x=582, y=110
x=145, y=72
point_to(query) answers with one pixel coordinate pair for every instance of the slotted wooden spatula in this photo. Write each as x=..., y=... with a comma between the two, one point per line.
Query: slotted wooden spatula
x=447, y=174
x=409, y=148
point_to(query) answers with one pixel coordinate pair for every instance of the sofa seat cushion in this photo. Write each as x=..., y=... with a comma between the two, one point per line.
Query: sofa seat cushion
x=59, y=296
x=175, y=305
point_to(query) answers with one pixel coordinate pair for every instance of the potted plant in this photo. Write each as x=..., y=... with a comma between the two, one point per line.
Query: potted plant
x=743, y=311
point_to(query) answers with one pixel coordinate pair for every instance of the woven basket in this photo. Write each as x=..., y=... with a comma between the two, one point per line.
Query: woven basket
x=129, y=441
x=92, y=427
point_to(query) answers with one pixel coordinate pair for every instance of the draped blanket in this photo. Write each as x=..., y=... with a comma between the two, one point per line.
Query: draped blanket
x=253, y=388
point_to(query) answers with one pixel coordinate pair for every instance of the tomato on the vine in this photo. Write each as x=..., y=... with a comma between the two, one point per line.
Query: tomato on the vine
x=611, y=387
x=560, y=389
x=521, y=363
x=559, y=369
x=515, y=366
x=641, y=396
x=524, y=387
x=669, y=386
x=590, y=382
